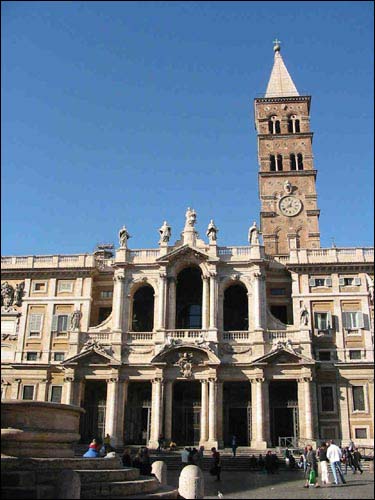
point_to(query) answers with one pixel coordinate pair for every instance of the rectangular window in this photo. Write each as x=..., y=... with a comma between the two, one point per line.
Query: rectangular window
x=278, y=291
x=359, y=398
x=323, y=322
x=59, y=356
x=361, y=433
x=355, y=354
x=324, y=355
x=65, y=286
x=60, y=323
x=352, y=320
x=28, y=392
x=106, y=294
x=320, y=282
x=349, y=281
x=39, y=286
x=35, y=324
x=31, y=356
x=327, y=399
x=56, y=393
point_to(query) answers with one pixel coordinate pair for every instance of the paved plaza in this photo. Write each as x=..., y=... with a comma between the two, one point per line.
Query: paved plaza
x=286, y=485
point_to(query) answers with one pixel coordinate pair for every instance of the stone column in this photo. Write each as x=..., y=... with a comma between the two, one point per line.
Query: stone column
x=212, y=414
x=111, y=417
x=118, y=300
x=205, y=301
x=156, y=412
x=68, y=390
x=118, y=437
x=256, y=300
x=168, y=410
x=204, y=413
x=344, y=411
x=258, y=413
x=161, y=300
x=219, y=420
x=213, y=300
x=171, y=303
x=15, y=389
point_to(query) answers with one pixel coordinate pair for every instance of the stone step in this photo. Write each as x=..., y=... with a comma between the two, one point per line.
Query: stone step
x=162, y=492
x=107, y=475
x=140, y=486
x=13, y=463
x=18, y=493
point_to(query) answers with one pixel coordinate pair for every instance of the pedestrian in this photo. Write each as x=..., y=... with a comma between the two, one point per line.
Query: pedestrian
x=126, y=458
x=357, y=461
x=107, y=443
x=312, y=468
x=145, y=462
x=292, y=462
x=322, y=455
x=347, y=459
x=253, y=462
x=304, y=462
x=216, y=468
x=184, y=457
x=334, y=456
x=286, y=456
x=268, y=463
x=261, y=463
x=234, y=445
x=200, y=456
x=274, y=463
x=160, y=442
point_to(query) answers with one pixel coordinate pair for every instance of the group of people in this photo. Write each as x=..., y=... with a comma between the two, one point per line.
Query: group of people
x=99, y=448
x=192, y=456
x=329, y=452
x=140, y=461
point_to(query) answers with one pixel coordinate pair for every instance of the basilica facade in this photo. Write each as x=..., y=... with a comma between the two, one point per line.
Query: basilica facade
x=192, y=341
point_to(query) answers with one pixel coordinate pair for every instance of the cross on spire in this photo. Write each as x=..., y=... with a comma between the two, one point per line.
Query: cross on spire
x=276, y=45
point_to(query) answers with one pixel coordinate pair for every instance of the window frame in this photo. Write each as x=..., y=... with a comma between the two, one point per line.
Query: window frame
x=35, y=333
x=329, y=321
x=334, y=397
x=38, y=282
x=56, y=323
x=57, y=360
x=353, y=330
x=365, y=427
x=29, y=353
x=23, y=392
x=60, y=282
x=364, y=388
x=51, y=390
x=329, y=351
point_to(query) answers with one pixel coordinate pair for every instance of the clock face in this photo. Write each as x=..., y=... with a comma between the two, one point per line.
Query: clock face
x=290, y=206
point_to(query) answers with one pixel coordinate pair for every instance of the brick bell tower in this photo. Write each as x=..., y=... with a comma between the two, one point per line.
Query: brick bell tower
x=289, y=213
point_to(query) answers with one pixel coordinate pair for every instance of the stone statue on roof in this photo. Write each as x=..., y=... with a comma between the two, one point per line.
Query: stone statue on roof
x=123, y=236
x=253, y=235
x=212, y=231
x=165, y=233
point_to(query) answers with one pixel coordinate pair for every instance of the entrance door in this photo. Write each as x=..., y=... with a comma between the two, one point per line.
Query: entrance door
x=236, y=413
x=283, y=411
x=92, y=424
x=186, y=413
x=137, y=423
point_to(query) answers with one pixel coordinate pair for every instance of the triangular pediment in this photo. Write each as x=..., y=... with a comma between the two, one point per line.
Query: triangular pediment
x=92, y=356
x=283, y=356
x=184, y=250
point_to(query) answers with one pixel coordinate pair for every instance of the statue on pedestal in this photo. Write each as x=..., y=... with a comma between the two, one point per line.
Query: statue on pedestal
x=75, y=320
x=253, y=235
x=19, y=293
x=123, y=236
x=165, y=233
x=211, y=232
x=7, y=294
x=304, y=315
x=191, y=217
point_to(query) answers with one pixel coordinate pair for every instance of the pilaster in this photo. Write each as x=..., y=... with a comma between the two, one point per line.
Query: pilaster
x=204, y=412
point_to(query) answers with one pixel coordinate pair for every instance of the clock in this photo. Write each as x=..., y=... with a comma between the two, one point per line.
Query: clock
x=290, y=205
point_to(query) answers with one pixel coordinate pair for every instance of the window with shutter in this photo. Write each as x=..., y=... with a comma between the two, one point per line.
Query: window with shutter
x=360, y=321
x=328, y=282
x=62, y=323
x=357, y=281
x=56, y=393
x=342, y=281
x=312, y=282
x=35, y=324
x=359, y=398
x=54, y=323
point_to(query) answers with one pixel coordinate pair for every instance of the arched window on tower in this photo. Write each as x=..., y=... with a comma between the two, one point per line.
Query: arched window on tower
x=299, y=161
x=274, y=125
x=279, y=163
x=293, y=162
x=272, y=163
x=293, y=125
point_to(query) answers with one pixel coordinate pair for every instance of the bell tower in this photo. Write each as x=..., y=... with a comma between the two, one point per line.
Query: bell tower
x=287, y=179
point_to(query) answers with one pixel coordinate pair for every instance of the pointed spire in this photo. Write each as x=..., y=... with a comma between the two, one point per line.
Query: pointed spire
x=280, y=83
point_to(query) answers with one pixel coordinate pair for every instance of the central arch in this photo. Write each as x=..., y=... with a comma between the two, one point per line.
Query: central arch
x=189, y=298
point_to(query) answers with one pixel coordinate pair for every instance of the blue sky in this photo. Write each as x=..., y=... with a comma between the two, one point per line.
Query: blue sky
x=128, y=112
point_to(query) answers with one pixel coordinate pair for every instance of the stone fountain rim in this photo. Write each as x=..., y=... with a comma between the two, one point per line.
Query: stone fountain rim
x=41, y=404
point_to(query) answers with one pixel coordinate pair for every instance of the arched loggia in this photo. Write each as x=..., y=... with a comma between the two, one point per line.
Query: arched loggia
x=236, y=315
x=189, y=298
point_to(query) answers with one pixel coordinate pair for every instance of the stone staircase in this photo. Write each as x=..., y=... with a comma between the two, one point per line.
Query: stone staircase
x=99, y=478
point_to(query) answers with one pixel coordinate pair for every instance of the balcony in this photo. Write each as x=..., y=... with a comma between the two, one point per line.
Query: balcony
x=47, y=261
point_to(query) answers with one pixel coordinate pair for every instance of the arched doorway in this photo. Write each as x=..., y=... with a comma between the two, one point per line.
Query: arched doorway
x=143, y=309
x=236, y=316
x=189, y=298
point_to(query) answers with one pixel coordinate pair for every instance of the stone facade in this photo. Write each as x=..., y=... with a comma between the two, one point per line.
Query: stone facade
x=192, y=341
